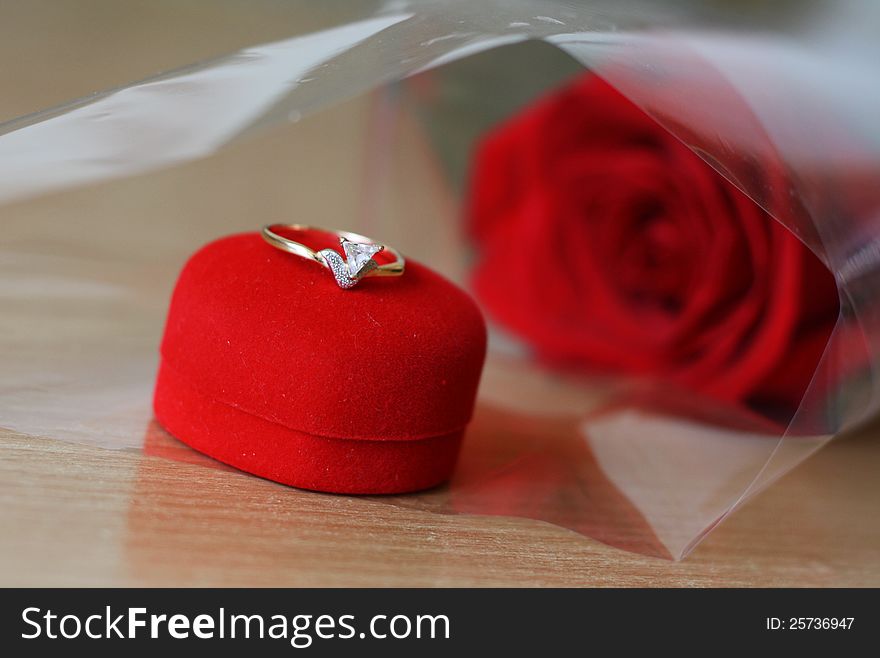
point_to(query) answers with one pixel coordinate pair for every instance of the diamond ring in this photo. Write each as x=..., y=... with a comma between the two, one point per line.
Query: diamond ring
x=358, y=251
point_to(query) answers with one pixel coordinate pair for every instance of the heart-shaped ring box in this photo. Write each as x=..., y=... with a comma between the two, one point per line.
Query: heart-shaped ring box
x=269, y=366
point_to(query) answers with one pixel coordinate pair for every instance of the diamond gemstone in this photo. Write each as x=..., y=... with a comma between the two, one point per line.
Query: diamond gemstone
x=358, y=255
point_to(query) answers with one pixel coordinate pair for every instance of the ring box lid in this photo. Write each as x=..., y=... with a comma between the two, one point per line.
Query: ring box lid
x=271, y=334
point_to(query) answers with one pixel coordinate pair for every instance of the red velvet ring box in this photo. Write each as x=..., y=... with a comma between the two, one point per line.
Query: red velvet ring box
x=269, y=366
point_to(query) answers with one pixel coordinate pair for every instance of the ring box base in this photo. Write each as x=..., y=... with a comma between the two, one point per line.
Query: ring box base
x=272, y=451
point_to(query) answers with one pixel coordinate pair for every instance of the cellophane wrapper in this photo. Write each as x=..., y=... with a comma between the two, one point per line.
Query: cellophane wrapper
x=104, y=198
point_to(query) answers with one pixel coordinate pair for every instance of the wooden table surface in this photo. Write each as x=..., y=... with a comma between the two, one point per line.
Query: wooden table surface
x=156, y=513
x=73, y=515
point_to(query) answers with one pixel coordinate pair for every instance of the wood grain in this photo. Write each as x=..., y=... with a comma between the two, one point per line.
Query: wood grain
x=75, y=515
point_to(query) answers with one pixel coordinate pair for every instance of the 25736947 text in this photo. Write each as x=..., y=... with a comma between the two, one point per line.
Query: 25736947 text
x=809, y=623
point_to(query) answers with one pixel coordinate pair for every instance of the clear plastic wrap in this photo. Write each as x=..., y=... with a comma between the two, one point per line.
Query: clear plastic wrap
x=84, y=300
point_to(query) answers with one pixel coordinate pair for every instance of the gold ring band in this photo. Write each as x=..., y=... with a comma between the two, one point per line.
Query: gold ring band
x=357, y=249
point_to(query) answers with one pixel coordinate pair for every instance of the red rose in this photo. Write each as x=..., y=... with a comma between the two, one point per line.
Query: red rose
x=606, y=243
